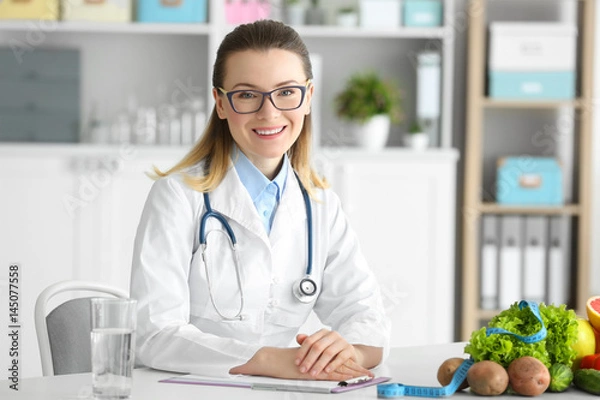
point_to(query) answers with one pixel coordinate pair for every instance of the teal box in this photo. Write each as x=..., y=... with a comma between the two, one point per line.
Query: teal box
x=546, y=85
x=422, y=13
x=529, y=181
x=186, y=11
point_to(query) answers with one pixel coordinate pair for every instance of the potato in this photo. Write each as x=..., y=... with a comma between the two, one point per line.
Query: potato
x=487, y=378
x=446, y=372
x=528, y=376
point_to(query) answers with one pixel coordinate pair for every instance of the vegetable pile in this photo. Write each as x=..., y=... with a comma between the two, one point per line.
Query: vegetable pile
x=561, y=324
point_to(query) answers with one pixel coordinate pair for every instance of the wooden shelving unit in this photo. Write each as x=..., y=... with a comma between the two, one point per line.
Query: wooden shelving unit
x=474, y=206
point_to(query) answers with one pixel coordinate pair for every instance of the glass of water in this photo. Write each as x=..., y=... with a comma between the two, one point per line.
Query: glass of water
x=113, y=347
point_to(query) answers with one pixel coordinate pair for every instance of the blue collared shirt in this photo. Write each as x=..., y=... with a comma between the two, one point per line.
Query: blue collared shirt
x=265, y=194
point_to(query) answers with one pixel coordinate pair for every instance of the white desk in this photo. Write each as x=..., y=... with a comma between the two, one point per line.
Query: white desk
x=408, y=365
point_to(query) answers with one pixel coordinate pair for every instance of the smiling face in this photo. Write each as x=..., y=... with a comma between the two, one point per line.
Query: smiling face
x=264, y=136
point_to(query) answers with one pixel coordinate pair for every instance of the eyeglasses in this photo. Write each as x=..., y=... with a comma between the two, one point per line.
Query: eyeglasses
x=250, y=101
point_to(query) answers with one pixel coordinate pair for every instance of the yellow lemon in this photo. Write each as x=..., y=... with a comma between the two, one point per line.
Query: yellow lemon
x=586, y=341
x=593, y=311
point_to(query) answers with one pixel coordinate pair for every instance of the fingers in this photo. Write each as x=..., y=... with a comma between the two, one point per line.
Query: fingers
x=336, y=354
x=307, y=343
x=324, y=351
x=353, y=369
x=300, y=338
x=346, y=371
x=344, y=359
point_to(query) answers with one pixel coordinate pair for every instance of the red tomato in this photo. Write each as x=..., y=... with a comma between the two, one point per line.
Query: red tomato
x=597, y=363
x=589, y=361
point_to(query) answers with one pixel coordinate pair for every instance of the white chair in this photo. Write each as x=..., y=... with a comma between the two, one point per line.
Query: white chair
x=63, y=333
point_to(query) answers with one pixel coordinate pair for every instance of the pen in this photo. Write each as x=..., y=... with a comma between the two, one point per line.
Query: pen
x=353, y=381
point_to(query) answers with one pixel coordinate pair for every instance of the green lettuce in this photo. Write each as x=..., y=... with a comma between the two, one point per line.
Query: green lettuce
x=561, y=325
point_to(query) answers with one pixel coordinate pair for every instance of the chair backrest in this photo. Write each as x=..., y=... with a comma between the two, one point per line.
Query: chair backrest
x=64, y=333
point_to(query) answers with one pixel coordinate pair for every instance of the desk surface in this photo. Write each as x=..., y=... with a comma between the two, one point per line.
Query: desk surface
x=408, y=365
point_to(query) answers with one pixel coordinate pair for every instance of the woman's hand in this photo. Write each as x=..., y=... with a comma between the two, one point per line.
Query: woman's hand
x=279, y=363
x=327, y=351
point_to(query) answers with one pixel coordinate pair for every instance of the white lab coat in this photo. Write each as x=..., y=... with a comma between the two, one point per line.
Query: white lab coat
x=178, y=327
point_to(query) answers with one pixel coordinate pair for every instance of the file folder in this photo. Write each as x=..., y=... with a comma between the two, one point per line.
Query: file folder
x=534, y=260
x=510, y=270
x=275, y=384
x=559, y=281
x=490, y=242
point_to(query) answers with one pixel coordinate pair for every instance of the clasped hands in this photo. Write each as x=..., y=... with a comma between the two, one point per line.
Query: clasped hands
x=324, y=355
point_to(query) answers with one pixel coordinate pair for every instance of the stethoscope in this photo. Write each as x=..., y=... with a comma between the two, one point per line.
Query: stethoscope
x=304, y=289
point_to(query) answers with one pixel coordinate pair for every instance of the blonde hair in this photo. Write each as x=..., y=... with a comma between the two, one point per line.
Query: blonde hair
x=215, y=146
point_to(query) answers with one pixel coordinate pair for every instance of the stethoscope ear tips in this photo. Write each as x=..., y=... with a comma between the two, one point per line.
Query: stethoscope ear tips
x=305, y=289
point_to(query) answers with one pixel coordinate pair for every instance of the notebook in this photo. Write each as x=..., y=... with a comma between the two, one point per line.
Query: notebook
x=275, y=384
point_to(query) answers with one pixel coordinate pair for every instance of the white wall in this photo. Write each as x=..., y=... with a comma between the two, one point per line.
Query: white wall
x=595, y=259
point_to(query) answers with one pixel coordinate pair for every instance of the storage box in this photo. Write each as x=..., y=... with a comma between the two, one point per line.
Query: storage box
x=532, y=61
x=532, y=47
x=380, y=13
x=529, y=181
x=422, y=13
x=171, y=11
x=246, y=11
x=39, y=96
x=96, y=10
x=532, y=85
x=29, y=9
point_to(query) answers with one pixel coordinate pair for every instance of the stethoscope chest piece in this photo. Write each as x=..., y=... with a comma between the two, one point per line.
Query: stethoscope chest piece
x=305, y=289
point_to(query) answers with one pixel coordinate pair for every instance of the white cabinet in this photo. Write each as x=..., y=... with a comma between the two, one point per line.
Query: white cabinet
x=37, y=234
x=402, y=206
x=69, y=212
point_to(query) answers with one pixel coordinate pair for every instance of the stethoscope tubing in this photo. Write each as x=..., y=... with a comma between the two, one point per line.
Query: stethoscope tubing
x=300, y=293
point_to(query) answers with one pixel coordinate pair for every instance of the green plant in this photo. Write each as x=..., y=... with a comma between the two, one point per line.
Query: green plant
x=366, y=95
x=415, y=127
x=346, y=10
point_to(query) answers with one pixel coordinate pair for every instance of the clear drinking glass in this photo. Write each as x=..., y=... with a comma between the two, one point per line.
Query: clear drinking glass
x=113, y=347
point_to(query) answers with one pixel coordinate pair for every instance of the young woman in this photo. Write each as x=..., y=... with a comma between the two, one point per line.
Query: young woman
x=211, y=307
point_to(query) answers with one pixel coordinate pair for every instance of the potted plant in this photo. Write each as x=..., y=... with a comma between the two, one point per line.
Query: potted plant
x=370, y=104
x=315, y=15
x=294, y=12
x=347, y=16
x=416, y=137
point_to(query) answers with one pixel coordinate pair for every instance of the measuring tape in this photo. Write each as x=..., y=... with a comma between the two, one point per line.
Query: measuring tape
x=536, y=337
x=390, y=390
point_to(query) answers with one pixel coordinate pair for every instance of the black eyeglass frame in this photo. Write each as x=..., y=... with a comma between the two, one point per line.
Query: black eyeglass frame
x=231, y=93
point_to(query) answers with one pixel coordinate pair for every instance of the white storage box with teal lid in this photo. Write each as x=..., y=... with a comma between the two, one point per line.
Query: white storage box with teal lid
x=532, y=61
x=380, y=13
x=189, y=11
x=524, y=181
x=422, y=13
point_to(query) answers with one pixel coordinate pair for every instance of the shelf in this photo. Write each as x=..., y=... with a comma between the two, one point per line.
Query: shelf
x=329, y=31
x=493, y=103
x=488, y=314
x=105, y=27
x=494, y=208
x=332, y=31
x=577, y=240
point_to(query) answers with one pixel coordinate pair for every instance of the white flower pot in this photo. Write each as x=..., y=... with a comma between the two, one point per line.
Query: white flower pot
x=373, y=134
x=417, y=141
x=347, y=19
x=295, y=14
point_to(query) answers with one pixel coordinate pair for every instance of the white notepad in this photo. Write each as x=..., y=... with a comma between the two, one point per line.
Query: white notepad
x=275, y=384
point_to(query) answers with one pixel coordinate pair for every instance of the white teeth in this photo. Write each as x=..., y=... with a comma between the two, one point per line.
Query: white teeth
x=269, y=131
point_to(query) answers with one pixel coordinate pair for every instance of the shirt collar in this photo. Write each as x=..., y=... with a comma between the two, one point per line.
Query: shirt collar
x=254, y=180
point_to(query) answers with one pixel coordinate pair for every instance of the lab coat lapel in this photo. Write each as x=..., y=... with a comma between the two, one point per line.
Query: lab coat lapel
x=232, y=199
x=291, y=211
